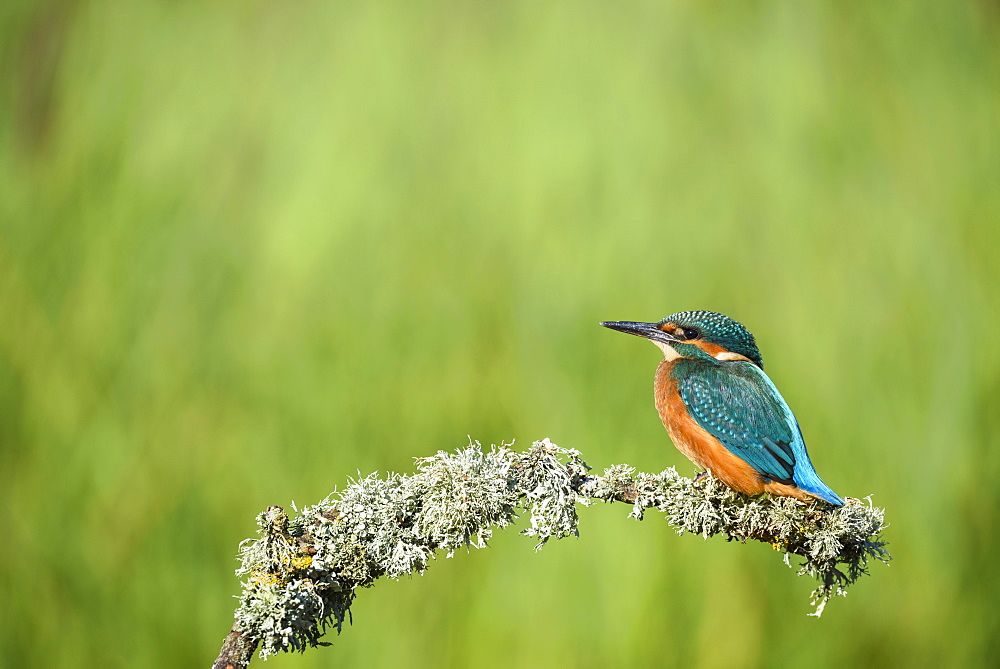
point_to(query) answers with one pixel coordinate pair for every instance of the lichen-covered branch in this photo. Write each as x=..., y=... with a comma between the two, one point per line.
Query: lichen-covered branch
x=301, y=574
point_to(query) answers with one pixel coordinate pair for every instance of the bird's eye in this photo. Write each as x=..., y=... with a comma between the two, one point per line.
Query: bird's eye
x=691, y=333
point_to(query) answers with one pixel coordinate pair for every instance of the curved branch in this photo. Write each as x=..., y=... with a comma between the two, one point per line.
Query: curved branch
x=301, y=574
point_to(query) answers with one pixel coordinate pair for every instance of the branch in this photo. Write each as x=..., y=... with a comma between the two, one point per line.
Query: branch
x=300, y=575
x=237, y=649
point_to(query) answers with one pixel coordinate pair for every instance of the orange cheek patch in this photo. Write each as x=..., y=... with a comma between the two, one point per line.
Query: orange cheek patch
x=718, y=352
x=708, y=347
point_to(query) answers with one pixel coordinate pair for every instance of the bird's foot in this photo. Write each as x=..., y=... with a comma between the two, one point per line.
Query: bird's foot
x=701, y=476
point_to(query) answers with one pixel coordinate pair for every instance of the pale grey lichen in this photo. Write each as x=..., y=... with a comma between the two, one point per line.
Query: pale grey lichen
x=550, y=487
x=835, y=542
x=301, y=575
x=464, y=497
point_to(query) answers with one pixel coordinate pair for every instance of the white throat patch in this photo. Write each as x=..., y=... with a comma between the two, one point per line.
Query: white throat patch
x=668, y=351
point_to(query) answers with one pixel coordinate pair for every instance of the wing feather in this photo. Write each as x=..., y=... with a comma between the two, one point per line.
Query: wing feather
x=739, y=406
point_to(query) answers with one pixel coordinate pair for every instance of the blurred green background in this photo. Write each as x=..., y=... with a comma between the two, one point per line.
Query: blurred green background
x=249, y=249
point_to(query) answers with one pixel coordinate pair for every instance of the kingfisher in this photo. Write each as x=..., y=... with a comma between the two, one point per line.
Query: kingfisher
x=722, y=411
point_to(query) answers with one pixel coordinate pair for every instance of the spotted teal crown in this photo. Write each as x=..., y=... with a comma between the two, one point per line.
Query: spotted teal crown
x=719, y=329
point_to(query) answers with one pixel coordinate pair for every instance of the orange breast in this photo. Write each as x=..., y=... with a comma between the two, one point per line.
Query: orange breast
x=705, y=450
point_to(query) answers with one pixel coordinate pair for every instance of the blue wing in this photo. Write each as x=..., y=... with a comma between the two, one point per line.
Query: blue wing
x=738, y=405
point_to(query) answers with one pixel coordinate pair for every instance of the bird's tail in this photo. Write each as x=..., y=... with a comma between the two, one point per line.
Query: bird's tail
x=809, y=481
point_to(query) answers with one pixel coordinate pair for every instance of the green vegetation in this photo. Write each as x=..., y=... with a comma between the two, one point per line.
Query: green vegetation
x=248, y=249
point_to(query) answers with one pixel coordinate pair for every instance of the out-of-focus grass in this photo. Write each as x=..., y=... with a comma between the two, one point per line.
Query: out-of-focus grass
x=248, y=249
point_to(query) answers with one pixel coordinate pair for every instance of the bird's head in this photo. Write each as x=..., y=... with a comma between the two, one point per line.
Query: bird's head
x=696, y=334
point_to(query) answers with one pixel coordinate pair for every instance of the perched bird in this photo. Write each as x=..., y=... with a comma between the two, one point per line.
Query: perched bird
x=721, y=409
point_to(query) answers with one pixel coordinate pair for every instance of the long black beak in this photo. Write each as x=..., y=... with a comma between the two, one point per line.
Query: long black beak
x=648, y=330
